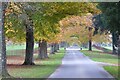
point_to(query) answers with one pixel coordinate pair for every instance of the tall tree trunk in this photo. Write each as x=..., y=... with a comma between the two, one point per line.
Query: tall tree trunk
x=3, y=65
x=29, y=44
x=90, y=45
x=42, y=49
x=90, y=38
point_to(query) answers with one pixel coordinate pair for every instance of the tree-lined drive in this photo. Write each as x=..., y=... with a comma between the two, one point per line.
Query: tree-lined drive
x=52, y=26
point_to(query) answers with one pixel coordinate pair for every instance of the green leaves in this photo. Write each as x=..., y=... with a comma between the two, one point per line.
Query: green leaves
x=45, y=17
x=110, y=11
x=14, y=29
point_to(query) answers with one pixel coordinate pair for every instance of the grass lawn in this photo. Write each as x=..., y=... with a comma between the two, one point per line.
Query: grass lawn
x=113, y=70
x=18, y=46
x=94, y=49
x=18, y=49
x=107, y=58
x=110, y=48
x=101, y=56
x=42, y=69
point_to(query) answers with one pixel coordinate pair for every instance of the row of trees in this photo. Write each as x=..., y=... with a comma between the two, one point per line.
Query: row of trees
x=44, y=25
x=37, y=22
x=80, y=29
x=54, y=22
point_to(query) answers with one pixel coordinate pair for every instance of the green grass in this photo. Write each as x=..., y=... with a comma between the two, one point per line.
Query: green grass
x=110, y=48
x=94, y=49
x=101, y=56
x=42, y=69
x=113, y=70
x=18, y=47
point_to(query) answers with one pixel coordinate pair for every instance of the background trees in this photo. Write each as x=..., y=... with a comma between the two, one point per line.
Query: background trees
x=109, y=20
x=79, y=27
x=48, y=15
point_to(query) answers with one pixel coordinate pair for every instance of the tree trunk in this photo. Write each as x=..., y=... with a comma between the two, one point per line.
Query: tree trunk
x=52, y=51
x=42, y=49
x=45, y=49
x=3, y=66
x=40, y=55
x=119, y=46
x=55, y=47
x=63, y=44
x=29, y=45
x=114, y=42
x=90, y=38
x=90, y=45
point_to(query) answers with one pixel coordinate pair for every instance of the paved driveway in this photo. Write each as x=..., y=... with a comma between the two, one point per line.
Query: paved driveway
x=76, y=65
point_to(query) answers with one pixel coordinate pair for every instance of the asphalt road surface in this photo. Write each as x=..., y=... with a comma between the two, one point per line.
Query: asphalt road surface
x=76, y=65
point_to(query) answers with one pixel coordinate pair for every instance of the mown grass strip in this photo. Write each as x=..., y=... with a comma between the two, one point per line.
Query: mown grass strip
x=42, y=69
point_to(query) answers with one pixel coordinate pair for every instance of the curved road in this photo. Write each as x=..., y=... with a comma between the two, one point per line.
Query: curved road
x=76, y=65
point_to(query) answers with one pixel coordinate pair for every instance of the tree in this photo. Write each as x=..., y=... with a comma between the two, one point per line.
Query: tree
x=29, y=44
x=102, y=37
x=43, y=49
x=44, y=32
x=28, y=10
x=19, y=14
x=51, y=13
x=110, y=19
x=54, y=42
x=79, y=27
x=3, y=70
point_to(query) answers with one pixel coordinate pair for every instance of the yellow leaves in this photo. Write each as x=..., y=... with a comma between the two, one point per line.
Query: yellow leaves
x=85, y=20
x=13, y=7
x=101, y=38
x=9, y=24
x=8, y=11
x=9, y=31
x=81, y=26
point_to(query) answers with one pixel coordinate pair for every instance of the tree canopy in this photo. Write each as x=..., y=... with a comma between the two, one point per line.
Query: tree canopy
x=109, y=15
